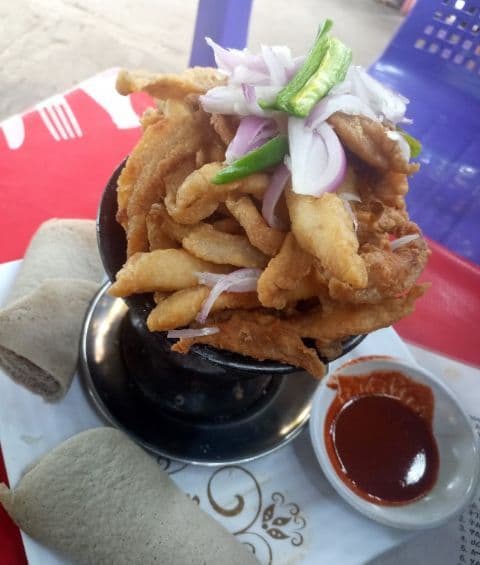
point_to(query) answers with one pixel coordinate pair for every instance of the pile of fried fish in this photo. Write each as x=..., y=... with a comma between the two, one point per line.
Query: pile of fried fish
x=331, y=274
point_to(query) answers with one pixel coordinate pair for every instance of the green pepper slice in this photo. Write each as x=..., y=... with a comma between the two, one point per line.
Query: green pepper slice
x=330, y=72
x=308, y=68
x=268, y=155
x=413, y=143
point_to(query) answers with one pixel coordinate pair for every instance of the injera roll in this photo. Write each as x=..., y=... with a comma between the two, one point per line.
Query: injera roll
x=59, y=249
x=40, y=333
x=100, y=499
x=41, y=324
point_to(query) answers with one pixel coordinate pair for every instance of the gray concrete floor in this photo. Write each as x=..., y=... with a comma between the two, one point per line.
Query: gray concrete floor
x=47, y=46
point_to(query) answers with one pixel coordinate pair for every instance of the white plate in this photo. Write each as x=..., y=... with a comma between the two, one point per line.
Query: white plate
x=456, y=440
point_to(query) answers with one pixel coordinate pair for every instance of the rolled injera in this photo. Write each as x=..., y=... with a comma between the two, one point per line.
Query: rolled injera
x=41, y=324
x=100, y=499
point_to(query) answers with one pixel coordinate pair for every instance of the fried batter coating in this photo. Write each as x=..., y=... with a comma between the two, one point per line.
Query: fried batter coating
x=162, y=270
x=368, y=140
x=164, y=145
x=157, y=237
x=261, y=336
x=197, y=197
x=261, y=235
x=228, y=225
x=390, y=273
x=206, y=243
x=323, y=227
x=225, y=126
x=346, y=319
x=283, y=273
x=181, y=307
x=174, y=86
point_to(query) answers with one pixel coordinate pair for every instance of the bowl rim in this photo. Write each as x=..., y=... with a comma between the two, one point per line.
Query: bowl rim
x=316, y=429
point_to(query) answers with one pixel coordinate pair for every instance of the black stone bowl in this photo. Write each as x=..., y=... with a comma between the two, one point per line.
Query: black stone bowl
x=207, y=383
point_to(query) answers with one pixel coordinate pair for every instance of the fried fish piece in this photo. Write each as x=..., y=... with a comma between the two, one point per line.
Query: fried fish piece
x=196, y=80
x=228, y=225
x=368, y=139
x=166, y=144
x=261, y=336
x=346, y=319
x=283, y=273
x=157, y=237
x=225, y=126
x=197, y=197
x=181, y=307
x=206, y=243
x=161, y=270
x=390, y=273
x=261, y=235
x=323, y=227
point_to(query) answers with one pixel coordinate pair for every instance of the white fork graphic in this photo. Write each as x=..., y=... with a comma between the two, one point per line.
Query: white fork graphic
x=59, y=119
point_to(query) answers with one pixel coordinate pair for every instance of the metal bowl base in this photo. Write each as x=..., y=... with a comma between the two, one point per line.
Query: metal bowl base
x=272, y=421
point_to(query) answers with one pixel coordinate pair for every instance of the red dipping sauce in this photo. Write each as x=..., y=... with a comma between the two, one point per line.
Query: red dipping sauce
x=378, y=434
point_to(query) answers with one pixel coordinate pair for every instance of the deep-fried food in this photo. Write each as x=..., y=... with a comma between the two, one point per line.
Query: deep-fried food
x=390, y=273
x=262, y=236
x=283, y=275
x=346, y=319
x=163, y=269
x=170, y=86
x=205, y=242
x=210, y=252
x=180, y=308
x=323, y=227
x=261, y=336
x=197, y=197
x=368, y=139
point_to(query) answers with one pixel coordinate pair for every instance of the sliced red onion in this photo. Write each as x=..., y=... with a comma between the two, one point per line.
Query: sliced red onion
x=346, y=103
x=241, y=280
x=228, y=59
x=252, y=132
x=277, y=63
x=231, y=100
x=386, y=103
x=249, y=93
x=402, y=143
x=192, y=332
x=225, y=100
x=317, y=159
x=272, y=195
x=350, y=197
x=344, y=87
x=208, y=279
x=243, y=74
x=348, y=208
x=403, y=241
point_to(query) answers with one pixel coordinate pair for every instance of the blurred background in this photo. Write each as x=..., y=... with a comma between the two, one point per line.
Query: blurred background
x=47, y=46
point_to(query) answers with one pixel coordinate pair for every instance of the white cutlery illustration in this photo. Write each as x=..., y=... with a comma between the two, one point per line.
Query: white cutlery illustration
x=58, y=118
x=14, y=131
x=60, y=121
x=102, y=89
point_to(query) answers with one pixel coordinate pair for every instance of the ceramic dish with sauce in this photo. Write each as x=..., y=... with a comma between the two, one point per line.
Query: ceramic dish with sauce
x=394, y=442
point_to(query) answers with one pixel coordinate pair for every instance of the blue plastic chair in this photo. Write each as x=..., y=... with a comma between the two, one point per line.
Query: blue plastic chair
x=434, y=60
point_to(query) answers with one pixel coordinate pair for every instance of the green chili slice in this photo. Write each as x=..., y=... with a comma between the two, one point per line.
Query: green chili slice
x=330, y=72
x=413, y=143
x=268, y=155
x=308, y=68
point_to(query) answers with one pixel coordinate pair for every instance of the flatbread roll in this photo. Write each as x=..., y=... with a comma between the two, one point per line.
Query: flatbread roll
x=40, y=333
x=64, y=249
x=100, y=499
x=41, y=324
